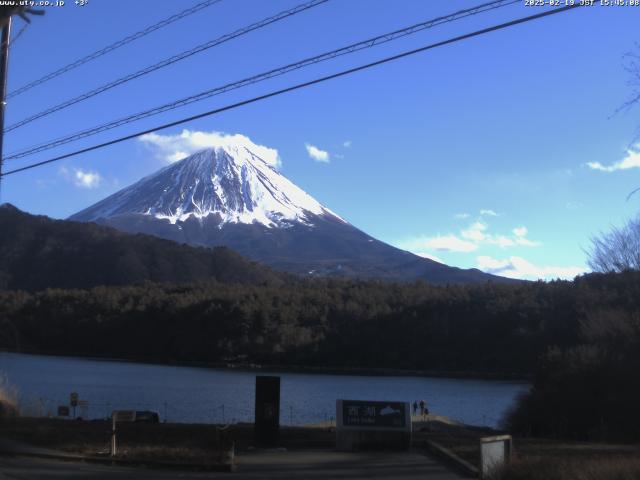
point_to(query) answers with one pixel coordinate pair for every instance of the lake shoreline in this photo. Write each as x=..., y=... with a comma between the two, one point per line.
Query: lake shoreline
x=252, y=367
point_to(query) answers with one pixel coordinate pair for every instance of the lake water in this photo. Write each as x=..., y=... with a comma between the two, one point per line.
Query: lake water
x=204, y=395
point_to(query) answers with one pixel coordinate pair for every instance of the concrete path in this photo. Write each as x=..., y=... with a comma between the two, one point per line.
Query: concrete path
x=329, y=464
x=251, y=466
x=15, y=447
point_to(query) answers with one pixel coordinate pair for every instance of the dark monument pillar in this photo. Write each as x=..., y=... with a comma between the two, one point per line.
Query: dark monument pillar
x=267, y=415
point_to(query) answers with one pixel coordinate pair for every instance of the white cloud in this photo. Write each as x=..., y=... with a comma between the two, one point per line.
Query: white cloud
x=520, y=231
x=450, y=243
x=475, y=232
x=525, y=242
x=317, y=154
x=346, y=144
x=488, y=213
x=468, y=240
x=172, y=148
x=492, y=265
x=447, y=243
x=632, y=160
x=518, y=267
x=177, y=156
x=521, y=237
x=82, y=178
x=430, y=256
x=461, y=216
x=501, y=241
x=512, y=267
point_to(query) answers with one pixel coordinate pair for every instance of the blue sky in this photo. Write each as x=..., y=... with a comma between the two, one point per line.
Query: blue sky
x=501, y=152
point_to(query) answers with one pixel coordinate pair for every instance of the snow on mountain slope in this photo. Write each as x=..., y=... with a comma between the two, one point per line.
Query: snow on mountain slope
x=229, y=181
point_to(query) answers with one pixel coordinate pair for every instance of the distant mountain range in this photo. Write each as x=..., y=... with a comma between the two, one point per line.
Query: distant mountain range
x=37, y=253
x=229, y=196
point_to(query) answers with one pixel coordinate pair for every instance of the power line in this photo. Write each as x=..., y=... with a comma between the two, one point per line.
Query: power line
x=114, y=46
x=301, y=85
x=371, y=42
x=169, y=61
x=17, y=35
x=11, y=41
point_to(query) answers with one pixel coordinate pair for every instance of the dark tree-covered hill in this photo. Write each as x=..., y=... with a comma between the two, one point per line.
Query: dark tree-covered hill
x=37, y=252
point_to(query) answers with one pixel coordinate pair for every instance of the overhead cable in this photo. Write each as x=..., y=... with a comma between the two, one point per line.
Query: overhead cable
x=166, y=62
x=113, y=46
x=369, y=43
x=299, y=86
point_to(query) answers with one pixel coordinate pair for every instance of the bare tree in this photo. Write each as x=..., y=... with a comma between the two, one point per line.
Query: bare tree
x=631, y=63
x=617, y=250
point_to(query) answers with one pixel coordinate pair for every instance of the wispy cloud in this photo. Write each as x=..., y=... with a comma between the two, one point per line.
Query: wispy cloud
x=82, y=178
x=525, y=242
x=520, y=231
x=346, y=144
x=632, y=160
x=317, y=154
x=573, y=205
x=518, y=267
x=488, y=213
x=478, y=232
x=475, y=232
x=504, y=241
x=461, y=216
x=172, y=148
x=476, y=235
x=446, y=243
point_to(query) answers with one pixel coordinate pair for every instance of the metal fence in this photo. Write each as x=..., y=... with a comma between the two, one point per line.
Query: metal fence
x=183, y=412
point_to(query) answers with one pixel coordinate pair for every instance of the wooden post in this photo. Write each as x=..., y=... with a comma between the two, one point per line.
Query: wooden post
x=119, y=416
x=113, y=435
x=4, y=67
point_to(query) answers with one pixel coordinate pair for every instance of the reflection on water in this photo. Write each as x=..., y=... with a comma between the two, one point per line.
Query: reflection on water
x=186, y=394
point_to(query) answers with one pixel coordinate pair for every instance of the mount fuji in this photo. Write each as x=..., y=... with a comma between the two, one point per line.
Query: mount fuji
x=229, y=195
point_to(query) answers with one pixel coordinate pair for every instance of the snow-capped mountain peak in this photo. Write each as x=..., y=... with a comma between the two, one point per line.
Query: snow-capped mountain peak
x=231, y=195
x=229, y=181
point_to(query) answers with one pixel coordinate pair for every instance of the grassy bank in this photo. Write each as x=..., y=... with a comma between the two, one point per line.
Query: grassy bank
x=534, y=459
x=163, y=441
x=538, y=458
x=615, y=467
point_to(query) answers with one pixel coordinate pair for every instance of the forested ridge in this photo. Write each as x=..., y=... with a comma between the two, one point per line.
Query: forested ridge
x=487, y=329
x=37, y=252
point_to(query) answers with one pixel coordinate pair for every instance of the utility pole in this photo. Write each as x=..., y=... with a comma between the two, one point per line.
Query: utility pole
x=4, y=67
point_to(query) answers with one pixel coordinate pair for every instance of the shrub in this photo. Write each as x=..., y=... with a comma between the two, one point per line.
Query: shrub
x=8, y=399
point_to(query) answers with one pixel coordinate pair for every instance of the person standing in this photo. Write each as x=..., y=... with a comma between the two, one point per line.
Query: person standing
x=422, y=404
x=415, y=407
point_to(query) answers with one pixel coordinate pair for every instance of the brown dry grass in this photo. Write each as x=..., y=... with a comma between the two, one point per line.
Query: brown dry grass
x=542, y=459
x=597, y=468
x=171, y=442
x=8, y=400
